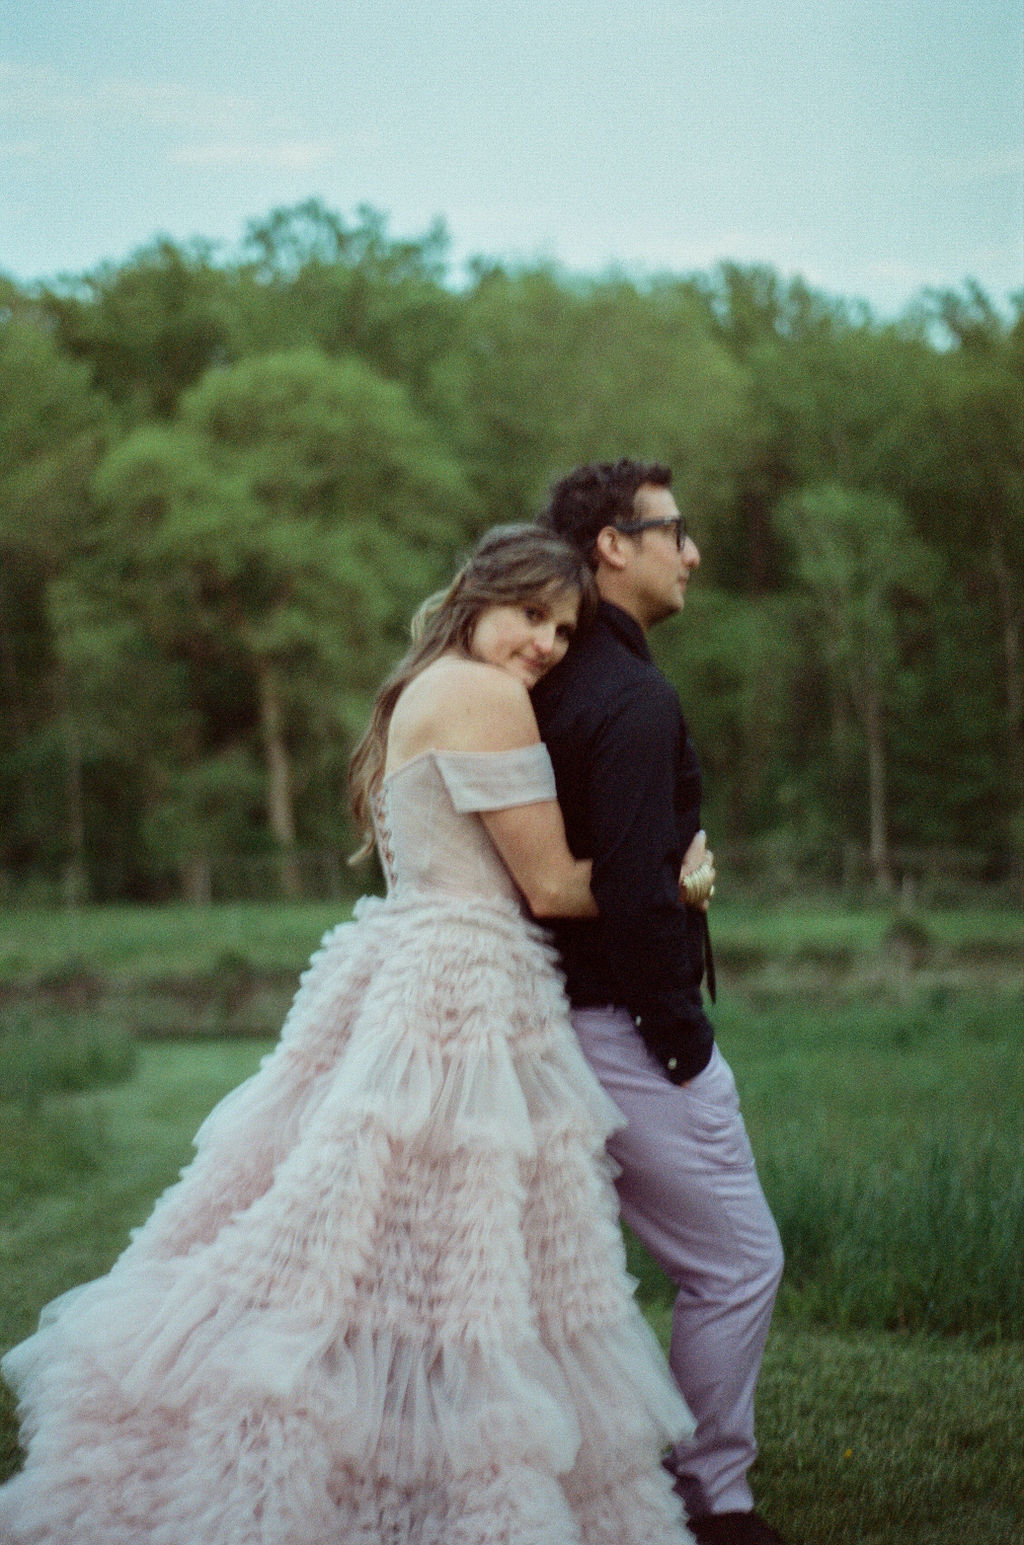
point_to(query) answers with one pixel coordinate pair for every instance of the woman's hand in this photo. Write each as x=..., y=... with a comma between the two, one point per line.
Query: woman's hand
x=697, y=876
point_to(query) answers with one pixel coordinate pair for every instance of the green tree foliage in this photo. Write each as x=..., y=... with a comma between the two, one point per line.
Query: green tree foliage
x=52, y=427
x=148, y=329
x=554, y=371
x=306, y=277
x=735, y=661
x=862, y=569
x=296, y=437
x=981, y=436
x=957, y=468
x=830, y=396
x=271, y=543
x=927, y=411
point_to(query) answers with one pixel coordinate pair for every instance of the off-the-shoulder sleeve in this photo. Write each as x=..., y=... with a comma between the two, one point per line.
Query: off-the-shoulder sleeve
x=497, y=780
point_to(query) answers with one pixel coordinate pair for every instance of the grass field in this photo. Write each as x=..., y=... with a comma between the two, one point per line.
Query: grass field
x=135, y=942
x=883, y=1094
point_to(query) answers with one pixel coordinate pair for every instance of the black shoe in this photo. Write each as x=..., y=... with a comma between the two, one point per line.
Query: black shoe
x=733, y=1529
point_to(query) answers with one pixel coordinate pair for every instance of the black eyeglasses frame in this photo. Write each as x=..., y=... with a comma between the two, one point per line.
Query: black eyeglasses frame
x=635, y=527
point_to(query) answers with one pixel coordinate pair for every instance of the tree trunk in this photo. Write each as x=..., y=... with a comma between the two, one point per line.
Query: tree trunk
x=197, y=880
x=14, y=710
x=9, y=669
x=870, y=706
x=75, y=882
x=280, y=808
x=1010, y=618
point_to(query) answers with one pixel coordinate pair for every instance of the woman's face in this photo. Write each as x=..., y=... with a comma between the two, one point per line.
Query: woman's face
x=528, y=637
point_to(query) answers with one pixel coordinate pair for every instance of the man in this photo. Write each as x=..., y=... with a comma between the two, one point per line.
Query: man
x=629, y=784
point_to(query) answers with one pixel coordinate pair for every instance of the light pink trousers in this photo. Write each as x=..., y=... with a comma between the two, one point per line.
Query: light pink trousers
x=689, y=1190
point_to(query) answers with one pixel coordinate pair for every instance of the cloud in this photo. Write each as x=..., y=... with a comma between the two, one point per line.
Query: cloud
x=40, y=95
x=990, y=167
x=44, y=111
x=21, y=149
x=236, y=154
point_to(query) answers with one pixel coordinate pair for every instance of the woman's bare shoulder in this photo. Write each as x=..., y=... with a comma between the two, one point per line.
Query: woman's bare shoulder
x=457, y=704
x=454, y=678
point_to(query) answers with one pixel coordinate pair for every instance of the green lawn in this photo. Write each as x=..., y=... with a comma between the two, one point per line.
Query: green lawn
x=885, y=1112
x=866, y=1437
x=874, y=1438
x=150, y=942
x=878, y=1439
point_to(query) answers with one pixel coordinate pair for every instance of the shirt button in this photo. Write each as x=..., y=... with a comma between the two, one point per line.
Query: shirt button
x=637, y=1021
x=672, y=1064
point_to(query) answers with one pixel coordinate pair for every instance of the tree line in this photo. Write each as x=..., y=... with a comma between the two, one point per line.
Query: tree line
x=226, y=479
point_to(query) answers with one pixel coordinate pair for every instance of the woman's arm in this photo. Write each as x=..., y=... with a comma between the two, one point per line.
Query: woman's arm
x=465, y=705
x=531, y=841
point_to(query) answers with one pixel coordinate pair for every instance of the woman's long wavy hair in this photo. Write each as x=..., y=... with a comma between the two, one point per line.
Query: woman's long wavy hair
x=509, y=565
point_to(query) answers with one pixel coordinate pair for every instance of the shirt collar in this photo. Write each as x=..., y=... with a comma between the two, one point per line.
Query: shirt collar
x=625, y=628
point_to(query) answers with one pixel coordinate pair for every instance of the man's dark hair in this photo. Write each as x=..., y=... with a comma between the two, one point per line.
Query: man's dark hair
x=597, y=495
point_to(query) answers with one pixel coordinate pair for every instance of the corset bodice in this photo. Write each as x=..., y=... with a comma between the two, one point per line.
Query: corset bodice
x=429, y=834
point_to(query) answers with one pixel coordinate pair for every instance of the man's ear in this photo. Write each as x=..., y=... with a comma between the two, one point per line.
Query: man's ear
x=610, y=547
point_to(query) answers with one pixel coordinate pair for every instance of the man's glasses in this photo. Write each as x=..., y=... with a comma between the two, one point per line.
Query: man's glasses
x=634, y=527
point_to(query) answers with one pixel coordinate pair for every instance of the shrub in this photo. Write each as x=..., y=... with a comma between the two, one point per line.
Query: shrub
x=52, y=1051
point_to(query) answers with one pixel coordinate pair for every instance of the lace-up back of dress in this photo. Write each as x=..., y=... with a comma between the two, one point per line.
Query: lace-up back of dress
x=429, y=837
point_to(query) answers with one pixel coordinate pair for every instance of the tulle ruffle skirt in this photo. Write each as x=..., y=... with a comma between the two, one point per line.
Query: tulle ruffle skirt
x=386, y=1303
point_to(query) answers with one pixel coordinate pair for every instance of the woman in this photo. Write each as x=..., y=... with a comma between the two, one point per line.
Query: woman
x=386, y=1303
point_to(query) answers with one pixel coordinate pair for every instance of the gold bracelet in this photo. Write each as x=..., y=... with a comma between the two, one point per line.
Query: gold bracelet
x=699, y=884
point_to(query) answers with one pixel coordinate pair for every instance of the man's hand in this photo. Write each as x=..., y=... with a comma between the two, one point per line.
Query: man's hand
x=699, y=863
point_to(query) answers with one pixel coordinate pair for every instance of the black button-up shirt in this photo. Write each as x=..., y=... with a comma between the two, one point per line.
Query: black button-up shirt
x=629, y=785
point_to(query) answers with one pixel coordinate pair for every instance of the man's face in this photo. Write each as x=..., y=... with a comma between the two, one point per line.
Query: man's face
x=657, y=570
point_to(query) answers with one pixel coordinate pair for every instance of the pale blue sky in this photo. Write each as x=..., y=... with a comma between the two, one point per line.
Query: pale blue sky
x=875, y=148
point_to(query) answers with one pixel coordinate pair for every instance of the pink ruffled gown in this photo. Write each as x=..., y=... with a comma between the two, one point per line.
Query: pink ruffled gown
x=386, y=1303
